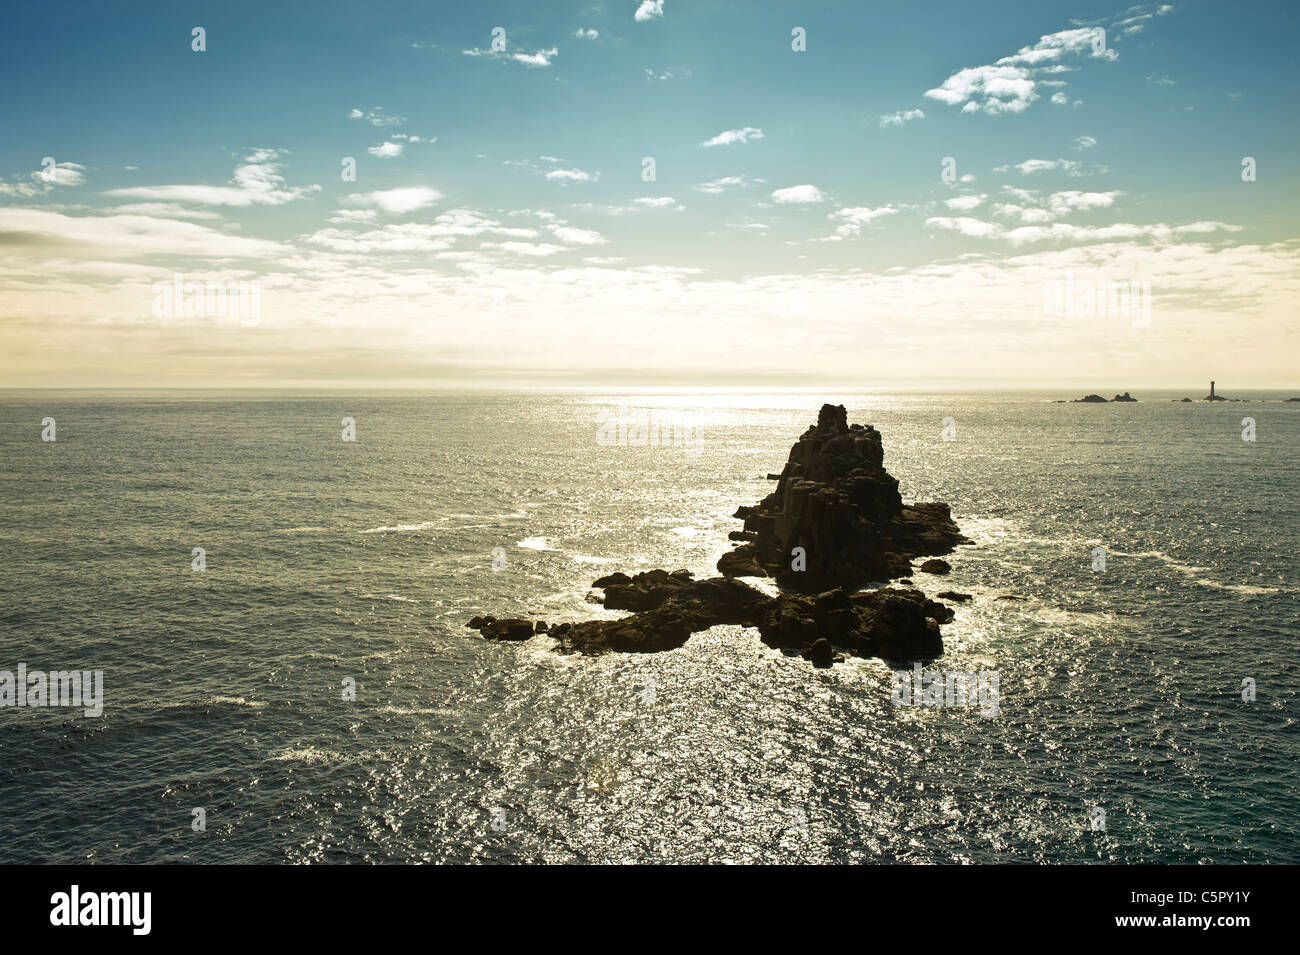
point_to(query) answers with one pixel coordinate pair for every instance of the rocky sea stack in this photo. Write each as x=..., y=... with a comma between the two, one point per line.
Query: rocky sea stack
x=835, y=523
x=836, y=518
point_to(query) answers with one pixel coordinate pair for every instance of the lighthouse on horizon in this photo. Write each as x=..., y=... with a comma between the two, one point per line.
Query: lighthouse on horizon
x=1211, y=390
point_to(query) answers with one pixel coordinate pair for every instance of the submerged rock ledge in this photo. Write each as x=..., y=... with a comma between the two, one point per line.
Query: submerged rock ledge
x=834, y=524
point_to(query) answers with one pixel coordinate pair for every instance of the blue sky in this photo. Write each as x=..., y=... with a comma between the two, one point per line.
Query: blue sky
x=500, y=228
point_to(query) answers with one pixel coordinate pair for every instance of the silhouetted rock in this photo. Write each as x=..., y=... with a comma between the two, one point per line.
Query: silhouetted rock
x=1090, y=399
x=819, y=653
x=935, y=566
x=698, y=605
x=1124, y=397
x=953, y=595
x=837, y=504
x=834, y=500
x=512, y=628
x=892, y=623
x=644, y=591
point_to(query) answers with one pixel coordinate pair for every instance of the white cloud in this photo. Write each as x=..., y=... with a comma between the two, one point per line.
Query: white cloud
x=387, y=150
x=658, y=202
x=1032, y=167
x=901, y=117
x=124, y=236
x=1061, y=232
x=577, y=236
x=344, y=216
x=990, y=89
x=587, y=34
x=535, y=249
x=405, y=199
x=852, y=219
x=570, y=175
x=41, y=181
x=729, y=136
x=965, y=203
x=256, y=182
x=1082, y=143
x=538, y=58
x=164, y=210
x=801, y=194
x=649, y=10
x=720, y=185
x=1009, y=84
x=965, y=225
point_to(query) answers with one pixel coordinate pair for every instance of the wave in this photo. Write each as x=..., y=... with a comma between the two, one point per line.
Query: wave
x=420, y=710
x=235, y=701
x=397, y=528
x=1244, y=588
x=305, y=754
x=1194, y=573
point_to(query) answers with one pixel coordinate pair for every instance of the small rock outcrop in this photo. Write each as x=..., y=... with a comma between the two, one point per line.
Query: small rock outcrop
x=836, y=502
x=1090, y=400
x=1124, y=397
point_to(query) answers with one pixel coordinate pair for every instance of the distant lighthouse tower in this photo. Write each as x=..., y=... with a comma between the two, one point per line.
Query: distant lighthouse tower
x=1211, y=391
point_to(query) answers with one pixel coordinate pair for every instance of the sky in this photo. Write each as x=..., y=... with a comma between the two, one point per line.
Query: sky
x=650, y=192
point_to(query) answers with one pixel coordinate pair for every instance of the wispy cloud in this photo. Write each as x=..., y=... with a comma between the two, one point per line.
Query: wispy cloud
x=256, y=182
x=43, y=180
x=716, y=186
x=377, y=117
x=901, y=117
x=538, y=58
x=730, y=136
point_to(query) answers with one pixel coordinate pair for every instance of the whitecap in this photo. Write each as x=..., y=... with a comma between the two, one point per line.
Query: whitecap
x=534, y=543
x=235, y=701
x=422, y=526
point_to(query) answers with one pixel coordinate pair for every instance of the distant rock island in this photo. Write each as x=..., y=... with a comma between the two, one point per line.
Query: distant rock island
x=835, y=523
x=1098, y=399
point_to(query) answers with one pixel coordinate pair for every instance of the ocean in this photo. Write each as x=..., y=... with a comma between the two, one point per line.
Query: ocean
x=1155, y=550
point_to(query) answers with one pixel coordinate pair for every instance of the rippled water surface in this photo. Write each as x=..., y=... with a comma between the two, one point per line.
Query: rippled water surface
x=329, y=560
